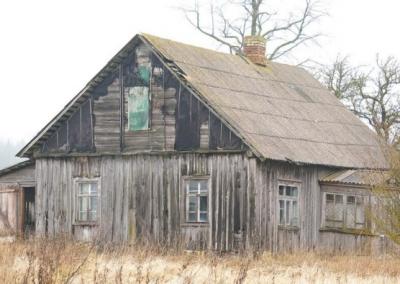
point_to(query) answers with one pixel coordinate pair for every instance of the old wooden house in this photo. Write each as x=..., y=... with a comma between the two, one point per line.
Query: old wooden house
x=176, y=144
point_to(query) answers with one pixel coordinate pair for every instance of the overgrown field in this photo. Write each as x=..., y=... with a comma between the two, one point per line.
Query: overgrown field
x=60, y=261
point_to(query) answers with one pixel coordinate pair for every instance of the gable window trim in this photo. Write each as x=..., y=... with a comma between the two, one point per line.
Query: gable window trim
x=356, y=202
x=288, y=204
x=77, y=182
x=197, y=195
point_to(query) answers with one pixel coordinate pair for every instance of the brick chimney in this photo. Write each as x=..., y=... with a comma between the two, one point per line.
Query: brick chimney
x=254, y=49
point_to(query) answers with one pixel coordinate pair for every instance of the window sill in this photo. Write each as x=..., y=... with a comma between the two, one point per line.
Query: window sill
x=360, y=232
x=288, y=228
x=86, y=224
x=195, y=224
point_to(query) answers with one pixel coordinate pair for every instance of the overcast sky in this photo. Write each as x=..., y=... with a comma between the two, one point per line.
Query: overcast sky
x=50, y=49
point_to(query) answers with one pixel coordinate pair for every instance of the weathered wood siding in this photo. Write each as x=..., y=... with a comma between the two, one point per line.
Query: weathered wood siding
x=9, y=203
x=12, y=198
x=142, y=197
x=25, y=175
x=107, y=116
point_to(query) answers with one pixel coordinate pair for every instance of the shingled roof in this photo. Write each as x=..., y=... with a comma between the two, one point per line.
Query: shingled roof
x=280, y=111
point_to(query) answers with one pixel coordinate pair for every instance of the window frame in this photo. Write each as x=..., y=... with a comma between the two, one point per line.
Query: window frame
x=285, y=198
x=186, y=182
x=75, y=205
x=346, y=205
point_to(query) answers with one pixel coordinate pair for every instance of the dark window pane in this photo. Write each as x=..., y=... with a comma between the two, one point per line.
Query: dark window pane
x=281, y=212
x=330, y=198
x=351, y=199
x=192, y=217
x=192, y=203
x=294, y=191
x=288, y=191
x=93, y=203
x=203, y=203
x=203, y=217
x=281, y=190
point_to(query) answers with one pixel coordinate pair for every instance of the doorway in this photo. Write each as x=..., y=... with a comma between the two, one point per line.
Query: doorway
x=29, y=211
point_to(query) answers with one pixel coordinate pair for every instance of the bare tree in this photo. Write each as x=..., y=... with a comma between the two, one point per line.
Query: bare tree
x=284, y=33
x=373, y=95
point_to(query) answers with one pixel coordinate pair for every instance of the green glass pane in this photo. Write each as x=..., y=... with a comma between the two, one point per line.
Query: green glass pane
x=203, y=203
x=138, y=108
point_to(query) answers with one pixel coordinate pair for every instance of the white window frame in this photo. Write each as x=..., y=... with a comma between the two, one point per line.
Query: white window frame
x=198, y=195
x=77, y=183
x=288, y=199
x=343, y=222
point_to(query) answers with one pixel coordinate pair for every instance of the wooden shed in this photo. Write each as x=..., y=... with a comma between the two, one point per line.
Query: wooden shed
x=17, y=199
x=176, y=144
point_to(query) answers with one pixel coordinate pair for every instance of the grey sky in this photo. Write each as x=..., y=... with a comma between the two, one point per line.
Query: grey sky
x=50, y=49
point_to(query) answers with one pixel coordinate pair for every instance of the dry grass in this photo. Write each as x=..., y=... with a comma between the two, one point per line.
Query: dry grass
x=61, y=261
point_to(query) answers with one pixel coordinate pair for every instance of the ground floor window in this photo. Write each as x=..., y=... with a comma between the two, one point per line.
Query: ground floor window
x=288, y=205
x=196, y=190
x=344, y=211
x=87, y=201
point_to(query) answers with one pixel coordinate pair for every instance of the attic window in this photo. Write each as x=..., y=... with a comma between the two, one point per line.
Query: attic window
x=138, y=108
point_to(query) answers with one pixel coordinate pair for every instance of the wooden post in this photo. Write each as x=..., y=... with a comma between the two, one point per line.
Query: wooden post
x=20, y=211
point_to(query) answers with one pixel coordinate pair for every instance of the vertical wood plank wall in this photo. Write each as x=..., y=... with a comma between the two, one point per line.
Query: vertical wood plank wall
x=142, y=198
x=10, y=207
